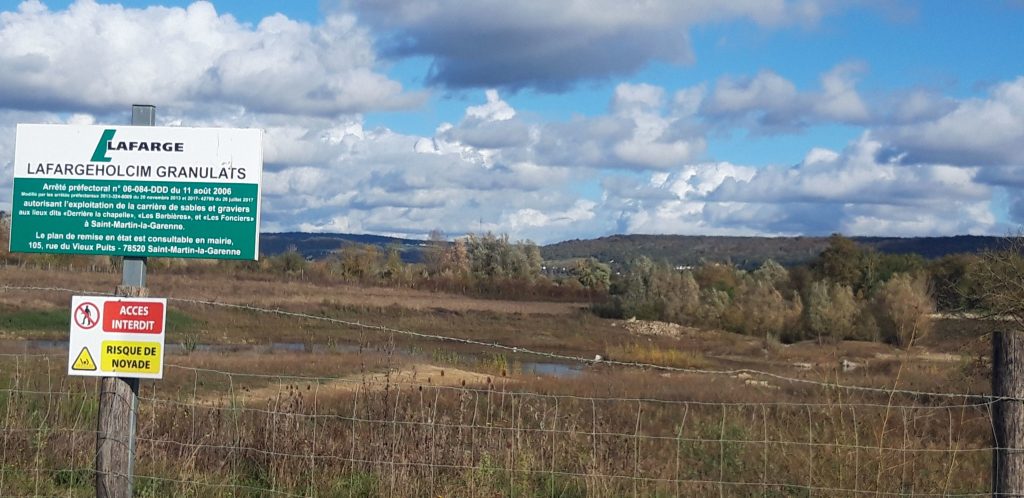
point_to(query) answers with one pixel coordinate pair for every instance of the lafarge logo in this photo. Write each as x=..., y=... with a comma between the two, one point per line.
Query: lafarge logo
x=107, y=144
x=100, y=154
x=156, y=153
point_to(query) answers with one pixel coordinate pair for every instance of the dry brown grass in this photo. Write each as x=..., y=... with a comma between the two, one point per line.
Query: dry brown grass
x=384, y=420
x=658, y=355
x=294, y=294
x=205, y=433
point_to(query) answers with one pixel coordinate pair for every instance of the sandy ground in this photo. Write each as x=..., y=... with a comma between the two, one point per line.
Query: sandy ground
x=409, y=376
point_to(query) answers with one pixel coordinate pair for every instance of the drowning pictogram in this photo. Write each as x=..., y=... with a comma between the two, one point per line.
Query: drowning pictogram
x=84, y=361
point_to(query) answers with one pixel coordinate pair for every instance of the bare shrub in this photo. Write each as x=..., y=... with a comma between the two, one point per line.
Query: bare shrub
x=904, y=306
x=999, y=277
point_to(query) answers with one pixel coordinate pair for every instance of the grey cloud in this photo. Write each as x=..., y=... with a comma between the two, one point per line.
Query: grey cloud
x=385, y=197
x=979, y=131
x=1005, y=176
x=627, y=188
x=1017, y=207
x=941, y=216
x=642, y=132
x=805, y=218
x=767, y=91
x=768, y=103
x=917, y=105
x=552, y=45
x=783, y=218
x=582, y=142
x=8, y=124
x=490, y=134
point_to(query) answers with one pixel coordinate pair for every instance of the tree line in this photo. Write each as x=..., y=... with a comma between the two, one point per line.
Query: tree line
x=848, y=291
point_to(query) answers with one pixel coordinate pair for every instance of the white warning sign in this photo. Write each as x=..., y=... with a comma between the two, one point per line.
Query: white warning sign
x=117, y=337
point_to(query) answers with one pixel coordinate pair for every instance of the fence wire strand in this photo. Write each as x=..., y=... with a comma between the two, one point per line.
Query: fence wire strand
x=216, y=432
x=534, y=352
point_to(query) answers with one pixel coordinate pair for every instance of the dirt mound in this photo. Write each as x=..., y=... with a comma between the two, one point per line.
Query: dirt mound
x=653, y=328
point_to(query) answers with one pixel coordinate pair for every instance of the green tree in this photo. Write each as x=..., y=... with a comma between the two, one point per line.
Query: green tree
x=891, y=264
x=955, y=283
x=655, y=291
x=592, y=274
x=359, y=262
x=689, y=296
x=395, y=271
x=761, y=309
x=493, y=257
x=713, y=303
x=831, y=311
x=773, y=273
x=290, y=262
x=718, y=276
x=843, y=262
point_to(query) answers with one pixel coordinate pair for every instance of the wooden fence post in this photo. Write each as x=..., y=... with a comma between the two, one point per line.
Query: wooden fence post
x=115, y=432
x=1008, y=414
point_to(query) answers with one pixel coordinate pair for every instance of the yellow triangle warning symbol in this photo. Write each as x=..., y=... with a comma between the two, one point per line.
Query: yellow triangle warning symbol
x=84, y=361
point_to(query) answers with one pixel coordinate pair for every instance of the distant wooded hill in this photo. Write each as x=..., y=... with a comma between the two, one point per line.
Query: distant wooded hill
x=679, y=250
x=749, y=252
x=321, y=245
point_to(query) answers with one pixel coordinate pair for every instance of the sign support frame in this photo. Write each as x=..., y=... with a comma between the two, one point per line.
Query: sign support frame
x=119, y=397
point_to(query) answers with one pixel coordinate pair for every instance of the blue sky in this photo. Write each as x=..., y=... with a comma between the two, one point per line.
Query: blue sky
x=557, y=120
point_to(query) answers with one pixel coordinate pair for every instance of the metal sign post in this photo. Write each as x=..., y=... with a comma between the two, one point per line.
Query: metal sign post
x=119, y=397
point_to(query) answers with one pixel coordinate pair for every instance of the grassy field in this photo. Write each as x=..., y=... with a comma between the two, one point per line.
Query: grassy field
x=262, y=404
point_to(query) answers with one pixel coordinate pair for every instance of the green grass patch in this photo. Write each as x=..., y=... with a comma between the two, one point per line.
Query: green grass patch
x=73, y=478
x=53, y=320
x=16, y=320
x=181, y=322
x=356, y=485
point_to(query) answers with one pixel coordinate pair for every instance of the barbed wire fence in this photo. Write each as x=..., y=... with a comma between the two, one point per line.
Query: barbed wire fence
x=220, y=427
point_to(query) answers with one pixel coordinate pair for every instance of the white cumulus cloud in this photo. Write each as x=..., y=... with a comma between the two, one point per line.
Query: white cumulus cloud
x=101, y=57
x=850, y=191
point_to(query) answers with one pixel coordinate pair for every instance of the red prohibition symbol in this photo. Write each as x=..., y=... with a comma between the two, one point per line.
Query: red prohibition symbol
x=87, y=315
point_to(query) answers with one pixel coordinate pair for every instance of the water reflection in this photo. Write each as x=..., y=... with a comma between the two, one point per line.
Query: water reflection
x=549, y=369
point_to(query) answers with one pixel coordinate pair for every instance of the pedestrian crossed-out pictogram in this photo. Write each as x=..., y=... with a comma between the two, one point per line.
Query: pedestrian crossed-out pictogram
x=87, y=315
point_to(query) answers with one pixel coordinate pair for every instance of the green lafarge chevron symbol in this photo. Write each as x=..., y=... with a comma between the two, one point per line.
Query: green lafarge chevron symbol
x=100, y=154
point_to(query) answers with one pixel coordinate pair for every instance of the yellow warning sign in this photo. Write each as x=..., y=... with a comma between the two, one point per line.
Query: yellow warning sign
x=84, y=361
x=131, y=357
